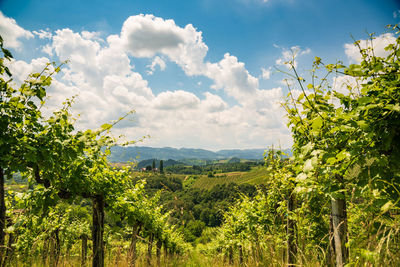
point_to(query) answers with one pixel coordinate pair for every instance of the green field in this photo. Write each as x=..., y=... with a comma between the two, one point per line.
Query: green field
x=257, y=175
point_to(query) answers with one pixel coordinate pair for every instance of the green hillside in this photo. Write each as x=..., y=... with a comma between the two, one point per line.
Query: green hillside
x=257, y=175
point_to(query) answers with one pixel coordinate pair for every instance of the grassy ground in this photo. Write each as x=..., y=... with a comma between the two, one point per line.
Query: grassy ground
x=120, y=258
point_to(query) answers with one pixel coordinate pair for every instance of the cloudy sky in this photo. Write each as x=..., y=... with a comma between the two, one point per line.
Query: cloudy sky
x=199, y=74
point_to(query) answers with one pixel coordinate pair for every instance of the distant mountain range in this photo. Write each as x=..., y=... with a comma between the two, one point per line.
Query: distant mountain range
x=139, y=153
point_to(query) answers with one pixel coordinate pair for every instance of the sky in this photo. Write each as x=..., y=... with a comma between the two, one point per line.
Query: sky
x=199, y=74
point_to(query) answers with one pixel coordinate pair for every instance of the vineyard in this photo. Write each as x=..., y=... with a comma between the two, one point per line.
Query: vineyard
x=335, y=202
x=255, y=176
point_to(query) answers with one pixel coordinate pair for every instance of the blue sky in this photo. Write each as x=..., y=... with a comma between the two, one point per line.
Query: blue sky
x=192, y=70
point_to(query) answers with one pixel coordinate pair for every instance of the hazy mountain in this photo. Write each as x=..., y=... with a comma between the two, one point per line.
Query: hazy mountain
x=139, y=153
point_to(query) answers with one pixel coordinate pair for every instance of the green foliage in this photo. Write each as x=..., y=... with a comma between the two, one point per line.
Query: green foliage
x=67, y=170
x=161, y=166
x=345, y=146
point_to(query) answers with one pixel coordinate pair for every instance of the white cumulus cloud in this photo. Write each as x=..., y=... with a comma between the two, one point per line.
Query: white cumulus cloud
x=101, y=72
x=147, y=35
x=176, y=100
x=213, y=103
x=231, y=75
x=12, y=33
